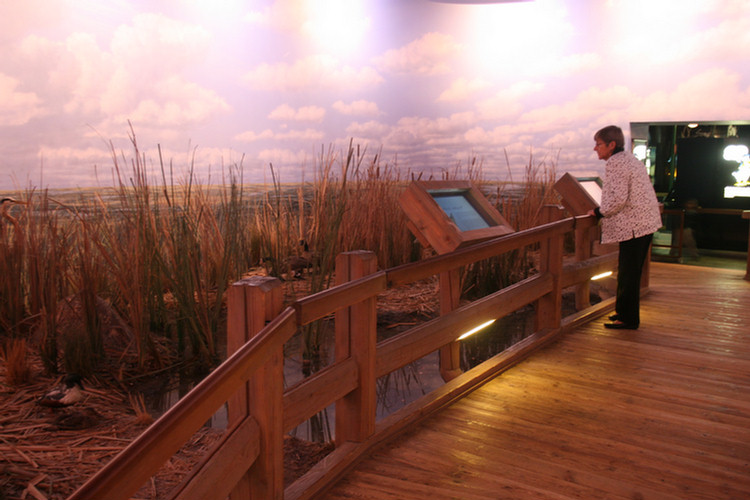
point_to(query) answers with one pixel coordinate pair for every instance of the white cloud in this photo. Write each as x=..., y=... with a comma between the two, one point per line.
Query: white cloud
x=573, y=64
x=18, y=18
x=371, y=131
x=714, y=93
x=138, y=78
x=332, y=26
x=283, y=15
x=313, y=72
x=307, y=135
x=593, y=104
x=178, y=104
x=304, y=136
x=305, y=113
x=519, y=40
x=436, y=131
x=727, y=41
x=506, y=103
x=357, y=108
x=250, y=136
x=462, y=89
x=17, y=108
x=432, y=54
x=96, y=81
x=155, y=45
x=711, y=30
x=336, y=26
x=285, y=161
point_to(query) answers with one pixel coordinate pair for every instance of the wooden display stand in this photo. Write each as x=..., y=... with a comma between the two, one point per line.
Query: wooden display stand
x=579, y=195
x=447, y=215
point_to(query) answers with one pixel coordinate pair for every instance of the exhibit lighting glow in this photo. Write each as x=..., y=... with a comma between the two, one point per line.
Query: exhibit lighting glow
x=476, y=329
x=640, y=151
x=602, y=275
x=692, y=125
x=735, y=152
x=337, y=26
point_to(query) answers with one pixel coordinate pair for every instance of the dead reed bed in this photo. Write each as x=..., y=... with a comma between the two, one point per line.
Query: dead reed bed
x=47, y=453
x=159, y=253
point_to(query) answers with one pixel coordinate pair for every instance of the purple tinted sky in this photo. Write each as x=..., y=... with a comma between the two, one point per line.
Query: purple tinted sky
x=432, y=84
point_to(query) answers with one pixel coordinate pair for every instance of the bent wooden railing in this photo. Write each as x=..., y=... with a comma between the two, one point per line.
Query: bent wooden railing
x=248, y=461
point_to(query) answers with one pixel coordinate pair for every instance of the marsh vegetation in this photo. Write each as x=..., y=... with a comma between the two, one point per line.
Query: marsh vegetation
x=128, y=282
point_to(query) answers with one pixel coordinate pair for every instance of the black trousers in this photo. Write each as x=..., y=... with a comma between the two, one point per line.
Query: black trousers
x=632, y=256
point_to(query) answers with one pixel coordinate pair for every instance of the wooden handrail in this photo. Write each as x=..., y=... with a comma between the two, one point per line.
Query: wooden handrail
x=350, y=374
x=122, y=476
x=409, y=273
x=421, y=340
x=327, y=302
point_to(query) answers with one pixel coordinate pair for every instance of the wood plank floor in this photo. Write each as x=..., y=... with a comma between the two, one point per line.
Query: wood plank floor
x=658, y=413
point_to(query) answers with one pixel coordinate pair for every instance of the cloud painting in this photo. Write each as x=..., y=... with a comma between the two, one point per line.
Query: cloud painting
x=428, y=84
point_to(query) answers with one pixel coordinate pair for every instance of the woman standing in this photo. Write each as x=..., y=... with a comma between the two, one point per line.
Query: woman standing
x=630, y=216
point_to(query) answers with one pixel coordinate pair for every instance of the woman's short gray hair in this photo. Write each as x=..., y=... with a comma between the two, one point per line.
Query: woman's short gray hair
x=611, y=133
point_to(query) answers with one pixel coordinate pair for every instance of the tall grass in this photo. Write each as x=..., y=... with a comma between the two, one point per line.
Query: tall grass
x=521, y=205
x=161, y=251
x=17, y=367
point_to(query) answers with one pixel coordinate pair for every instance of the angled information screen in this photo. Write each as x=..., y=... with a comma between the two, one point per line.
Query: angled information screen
x=593, y=188
x=459, y=209
x=447, y=215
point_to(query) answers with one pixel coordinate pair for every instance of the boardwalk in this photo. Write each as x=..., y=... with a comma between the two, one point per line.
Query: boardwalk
x=659, y=413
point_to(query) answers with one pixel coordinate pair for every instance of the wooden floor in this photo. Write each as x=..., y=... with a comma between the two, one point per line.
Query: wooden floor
x=658, y=413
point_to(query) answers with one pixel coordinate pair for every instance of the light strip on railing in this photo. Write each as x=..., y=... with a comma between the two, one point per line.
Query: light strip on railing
x=476, y=329
x=600, y=276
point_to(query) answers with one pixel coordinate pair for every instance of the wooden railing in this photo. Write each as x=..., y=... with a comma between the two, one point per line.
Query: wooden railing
x=248, y=461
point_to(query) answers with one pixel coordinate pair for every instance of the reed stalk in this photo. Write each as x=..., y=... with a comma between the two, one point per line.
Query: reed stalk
x=17, y=366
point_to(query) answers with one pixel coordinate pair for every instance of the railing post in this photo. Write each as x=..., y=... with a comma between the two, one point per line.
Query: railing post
x=356, y=337
x=746, y=215
x=549, y=307
x=583, y=248
x=450, y=295
x=251, y=302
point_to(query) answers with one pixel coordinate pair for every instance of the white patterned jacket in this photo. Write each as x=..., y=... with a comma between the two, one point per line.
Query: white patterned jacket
x=629, y=205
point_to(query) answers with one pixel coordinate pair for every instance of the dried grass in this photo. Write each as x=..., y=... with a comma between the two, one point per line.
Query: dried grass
x=43, y=457
x=17, y=367
x=142, y=416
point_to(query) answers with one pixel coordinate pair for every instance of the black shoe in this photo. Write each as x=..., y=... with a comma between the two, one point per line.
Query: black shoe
x=619, y=325
x=614, y=317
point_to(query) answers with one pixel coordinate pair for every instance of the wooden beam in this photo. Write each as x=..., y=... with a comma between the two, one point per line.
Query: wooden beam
x=356, y=334
x=316, y=392
x=580, y=272
x=549, y=307
x=421, y=340
x=329, y=301
x=223, y=467
x=416, y=271
x=450, y=295
x=746, y=215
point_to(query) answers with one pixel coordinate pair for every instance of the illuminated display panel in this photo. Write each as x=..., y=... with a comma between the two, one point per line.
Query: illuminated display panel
x=579, y=195
x=737, y=192
x=447, y=215
x=459, y=209
x=594, y=190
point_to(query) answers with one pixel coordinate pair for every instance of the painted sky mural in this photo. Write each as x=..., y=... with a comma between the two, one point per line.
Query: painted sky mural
x=427, y=84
